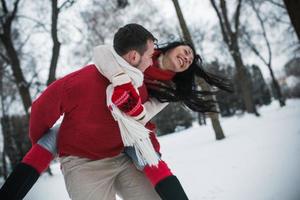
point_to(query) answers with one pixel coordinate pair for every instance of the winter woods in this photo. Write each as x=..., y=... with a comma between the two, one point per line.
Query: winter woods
x=254, y=43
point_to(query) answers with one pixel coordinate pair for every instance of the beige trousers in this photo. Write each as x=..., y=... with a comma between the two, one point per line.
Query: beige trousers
x=102, y=179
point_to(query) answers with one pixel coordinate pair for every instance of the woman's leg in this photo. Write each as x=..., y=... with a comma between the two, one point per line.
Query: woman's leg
x=165, y=183
x=26, y=173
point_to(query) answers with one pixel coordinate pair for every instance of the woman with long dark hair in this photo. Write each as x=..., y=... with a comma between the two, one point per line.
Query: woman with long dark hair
x=182, y=86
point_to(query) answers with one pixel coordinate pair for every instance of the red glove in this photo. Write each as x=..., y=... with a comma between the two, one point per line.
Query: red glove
x=126, y=98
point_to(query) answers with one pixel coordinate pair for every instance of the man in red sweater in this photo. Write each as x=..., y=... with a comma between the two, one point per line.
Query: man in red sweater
x=89, y=143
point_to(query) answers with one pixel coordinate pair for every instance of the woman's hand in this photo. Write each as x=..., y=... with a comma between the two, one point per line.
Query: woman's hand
x=126, y=98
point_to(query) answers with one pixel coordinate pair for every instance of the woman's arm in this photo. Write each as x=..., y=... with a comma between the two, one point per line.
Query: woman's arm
x=152, y=108
x=125, y=96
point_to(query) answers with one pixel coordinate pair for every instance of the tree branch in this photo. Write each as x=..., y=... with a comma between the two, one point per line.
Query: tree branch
x=34, y=20
x=225, y=36
x=56, y=43
x=253, y=48
x=225, y=16
x=264, y=32
x=66, y=4
x=35, y=75
x=276, y=4
x=237, y=17
x=3, y=57
x=16, y=4
x=4, y=6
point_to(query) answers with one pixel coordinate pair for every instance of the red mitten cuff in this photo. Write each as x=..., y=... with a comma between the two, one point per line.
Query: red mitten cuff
x=137, y=110
x=38, y=157
x=156, y=174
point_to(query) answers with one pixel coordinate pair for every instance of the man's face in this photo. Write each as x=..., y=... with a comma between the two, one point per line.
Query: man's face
x=144, y=61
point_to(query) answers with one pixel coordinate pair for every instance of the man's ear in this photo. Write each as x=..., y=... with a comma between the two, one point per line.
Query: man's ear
x=134, y=57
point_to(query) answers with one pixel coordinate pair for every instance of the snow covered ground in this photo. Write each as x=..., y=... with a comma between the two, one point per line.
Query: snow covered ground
x=258, y=160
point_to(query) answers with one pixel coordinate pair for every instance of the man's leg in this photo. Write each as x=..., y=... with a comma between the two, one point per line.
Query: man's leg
x=132, y=184
x=89, y=180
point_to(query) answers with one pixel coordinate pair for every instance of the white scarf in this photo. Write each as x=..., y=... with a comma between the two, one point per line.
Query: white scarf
x=133, y=133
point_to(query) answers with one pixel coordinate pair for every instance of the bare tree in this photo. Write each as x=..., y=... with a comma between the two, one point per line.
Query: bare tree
x=4, y=165
x=213, y=116
x=14, y=128
x=6, y=38
x=7, y=92
x=280, y=15
x=231, y=39
x=267, y=61
x=56, y=44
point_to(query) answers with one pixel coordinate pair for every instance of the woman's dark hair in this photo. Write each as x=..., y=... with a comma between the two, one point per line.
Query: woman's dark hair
x=183, y=87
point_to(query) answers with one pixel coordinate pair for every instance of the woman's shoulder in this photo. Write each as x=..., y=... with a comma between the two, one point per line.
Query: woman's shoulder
x=155, y=73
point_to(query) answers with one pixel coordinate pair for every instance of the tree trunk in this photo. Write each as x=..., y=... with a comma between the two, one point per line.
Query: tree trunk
x=277, y=88
x=56, y=43
x=4, y=165
x=184, y=28
x=9, y=145
x=293, y=8
x=201, y=119
x=6, y=39
x=230, y=38
x=214, y=117
x=244, y=82
x=186, y=34
x=217, y=126
x=22, y=85
x=269, y=62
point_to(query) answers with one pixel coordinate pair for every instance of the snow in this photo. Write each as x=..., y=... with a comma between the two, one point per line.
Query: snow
x=258, y=160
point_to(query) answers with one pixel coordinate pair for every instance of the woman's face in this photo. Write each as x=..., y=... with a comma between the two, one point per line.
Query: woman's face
x=180, y=58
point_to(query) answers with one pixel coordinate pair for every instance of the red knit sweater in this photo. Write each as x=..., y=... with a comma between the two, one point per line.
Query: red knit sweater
x=88, y=128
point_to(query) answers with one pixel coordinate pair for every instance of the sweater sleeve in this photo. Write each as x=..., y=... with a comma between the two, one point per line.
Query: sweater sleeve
x=46, y=110
x=152, y=108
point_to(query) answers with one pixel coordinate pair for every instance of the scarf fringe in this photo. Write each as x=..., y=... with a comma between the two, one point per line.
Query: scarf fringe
x=134, y=134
